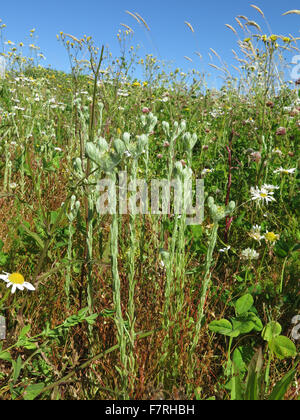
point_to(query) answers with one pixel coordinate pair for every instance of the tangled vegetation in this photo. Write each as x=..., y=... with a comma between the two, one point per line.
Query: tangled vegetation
x=138, y=303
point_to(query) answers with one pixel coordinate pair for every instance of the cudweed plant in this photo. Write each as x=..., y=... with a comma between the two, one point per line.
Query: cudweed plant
x=217, y=214
x=74, y=208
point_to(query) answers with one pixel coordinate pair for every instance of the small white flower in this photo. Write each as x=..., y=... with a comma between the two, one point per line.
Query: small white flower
x=249, y=254
x=270, y=187
x=122, y=93
x=206, y=171
x=17, y=281
x=255, y=233
x=262, y=195
x=285, y=171
x=277, y=152
x=225, y=249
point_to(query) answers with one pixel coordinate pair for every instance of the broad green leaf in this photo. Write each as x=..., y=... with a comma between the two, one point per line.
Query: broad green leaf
x=24, y=331
x=243, y=324
x=258, y=325
x=5, y=355
x=254, y=382
x=283, y=347
x=243, y=304
x=17, y=366
x=271, y=330
x=236, y=386
x=33, y=391
x=222, y=326
x=237, y=359
x=282, y=386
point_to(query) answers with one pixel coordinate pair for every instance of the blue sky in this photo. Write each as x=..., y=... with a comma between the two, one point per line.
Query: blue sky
x=169, y=38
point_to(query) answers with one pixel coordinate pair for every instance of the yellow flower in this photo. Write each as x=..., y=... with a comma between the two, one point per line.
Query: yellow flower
x=17, y=281
x=137, y=84
x=273, y=38
x=271, y=237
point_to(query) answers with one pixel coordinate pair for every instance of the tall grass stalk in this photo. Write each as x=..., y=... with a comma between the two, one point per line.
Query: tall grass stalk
x=74, y=207
x=119, y=320
x=132, y=276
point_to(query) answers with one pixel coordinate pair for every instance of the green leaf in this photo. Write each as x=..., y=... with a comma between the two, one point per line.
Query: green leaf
x=237, y=359
x=254, y=379
x=24, y=331
x=17, y=366
x=271, y=330
x=283, y=347
x=258, y=325
x=282, y=386
x=33, y=391
x=34, y=236
x=243, y=304
x=222, y=326
x=5, y=355
x=243, y=324
x=236, y=386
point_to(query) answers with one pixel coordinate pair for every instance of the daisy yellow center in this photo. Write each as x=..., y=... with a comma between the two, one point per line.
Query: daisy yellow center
x=16, y=278
x=263, y=195
x=271, y=236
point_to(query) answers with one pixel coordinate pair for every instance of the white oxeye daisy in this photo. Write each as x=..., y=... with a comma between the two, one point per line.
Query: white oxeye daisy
x=262, y=195
x=281, y=170
x=17, y=281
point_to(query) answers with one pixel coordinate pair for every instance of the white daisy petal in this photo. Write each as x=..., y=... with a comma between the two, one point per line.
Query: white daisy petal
x=28, y=286
x=14, y=288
